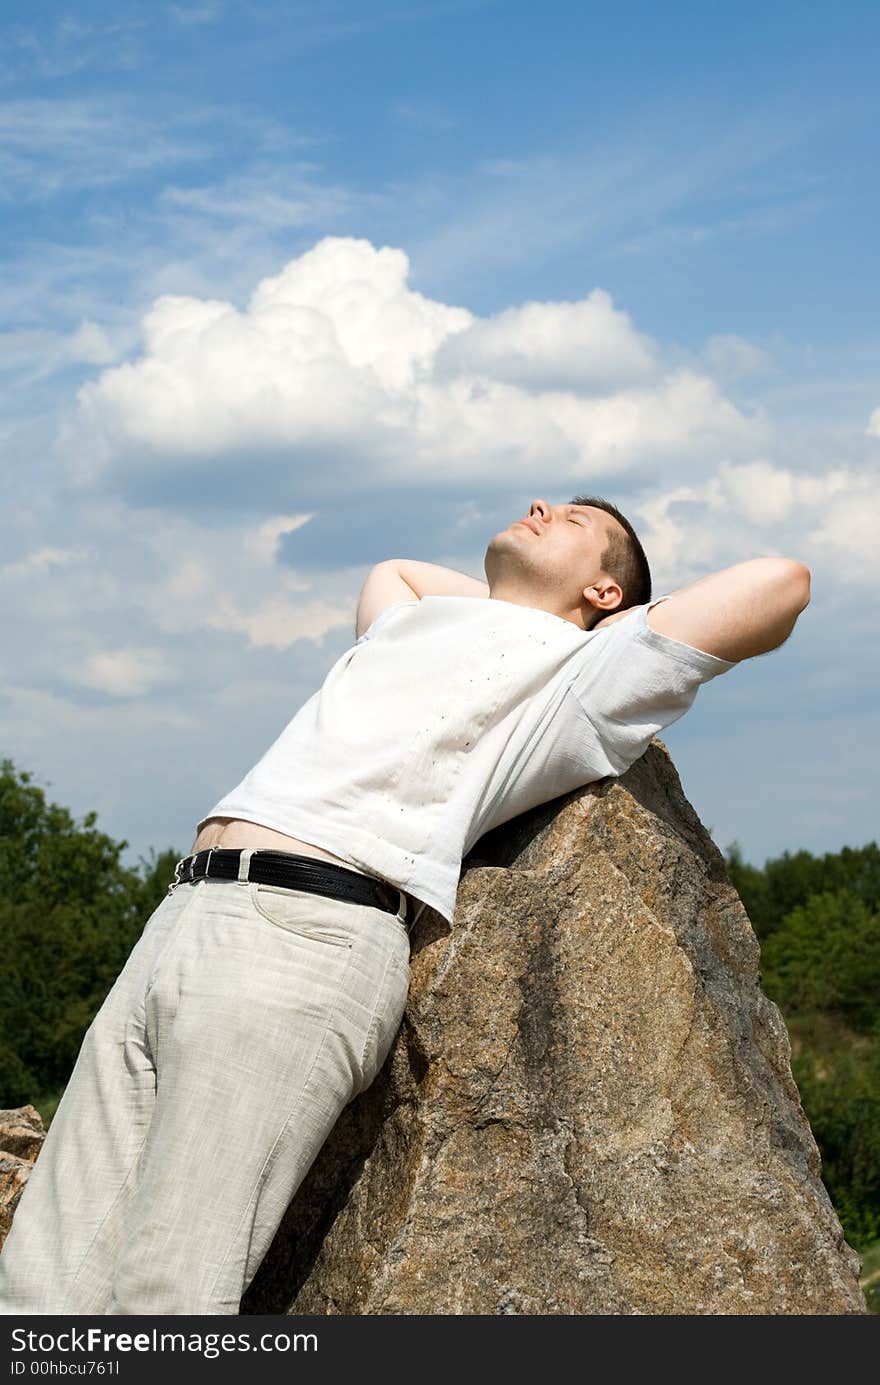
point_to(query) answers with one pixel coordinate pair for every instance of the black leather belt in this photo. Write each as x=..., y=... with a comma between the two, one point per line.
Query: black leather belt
x=294, y=872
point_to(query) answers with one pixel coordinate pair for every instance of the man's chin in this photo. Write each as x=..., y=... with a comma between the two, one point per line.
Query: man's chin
x=507, y=555
x=503, y=542
x=507, y=538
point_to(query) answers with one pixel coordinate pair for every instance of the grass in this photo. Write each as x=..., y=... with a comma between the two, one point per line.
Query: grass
x=870, y=1280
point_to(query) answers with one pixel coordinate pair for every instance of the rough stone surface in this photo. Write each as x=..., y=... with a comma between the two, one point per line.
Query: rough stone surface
x=589, y=1108
x=21, y=1138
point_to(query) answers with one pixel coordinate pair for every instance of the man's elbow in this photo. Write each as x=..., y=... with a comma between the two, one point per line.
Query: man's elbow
x=800, y=587
x=788, y=578
x=794, y=598
x=806, y=582
x=801, y=582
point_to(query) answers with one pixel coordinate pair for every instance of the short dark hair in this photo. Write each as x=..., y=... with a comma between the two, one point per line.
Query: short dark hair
x=624, y=558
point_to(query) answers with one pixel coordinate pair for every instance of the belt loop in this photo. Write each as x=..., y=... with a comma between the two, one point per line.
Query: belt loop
x=244, y=864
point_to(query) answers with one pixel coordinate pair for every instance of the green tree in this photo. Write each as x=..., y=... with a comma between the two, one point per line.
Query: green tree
x=818, y=919
x=838, y=1077
x=70, y=913
x=771, y=892
x=825, y=955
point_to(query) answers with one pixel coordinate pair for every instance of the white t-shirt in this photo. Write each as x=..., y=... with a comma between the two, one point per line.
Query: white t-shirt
x=451, y=715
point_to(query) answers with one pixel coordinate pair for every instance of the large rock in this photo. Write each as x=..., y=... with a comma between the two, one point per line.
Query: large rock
x=21, y=1138
x=589, y=1108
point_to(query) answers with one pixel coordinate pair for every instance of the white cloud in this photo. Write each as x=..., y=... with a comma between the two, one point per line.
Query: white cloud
x=873, y=429
x=183, y=577
x=49, y=148
x=761, y=492
x=123, y=672
x=590, y=345
x=263, y=197
x=59, y=49
x=337, y=352
x=368, y=317
x=278, y=623
x=265, y=541
x=845, y=533
x=478, y=428
x=42, y=561
x=765, y=494
x=828, y=521
x=680, y=545
x=35, y=353
x=91, y=345
x=731, y=357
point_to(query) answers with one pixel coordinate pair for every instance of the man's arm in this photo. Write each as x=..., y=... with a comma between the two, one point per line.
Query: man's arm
x=739, y=612
x=405, y=579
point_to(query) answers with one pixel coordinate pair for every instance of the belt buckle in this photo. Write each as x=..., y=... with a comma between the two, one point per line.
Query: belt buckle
x=387, y=894
x=390, y=895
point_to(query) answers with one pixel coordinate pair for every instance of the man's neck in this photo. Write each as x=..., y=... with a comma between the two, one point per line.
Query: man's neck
x=518, y=598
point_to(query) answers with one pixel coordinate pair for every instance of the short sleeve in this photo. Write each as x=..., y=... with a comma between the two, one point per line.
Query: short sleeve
x=632, y=681
x=382, y=617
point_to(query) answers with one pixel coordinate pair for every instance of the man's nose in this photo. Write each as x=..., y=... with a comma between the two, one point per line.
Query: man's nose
x=540, y=510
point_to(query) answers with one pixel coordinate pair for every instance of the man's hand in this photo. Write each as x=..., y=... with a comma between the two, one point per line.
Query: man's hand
x=405, y=579
x=739, y=612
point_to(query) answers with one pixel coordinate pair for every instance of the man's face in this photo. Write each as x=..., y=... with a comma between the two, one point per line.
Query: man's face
x=555, y=551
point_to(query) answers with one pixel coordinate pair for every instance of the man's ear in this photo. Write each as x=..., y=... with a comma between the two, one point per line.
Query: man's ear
x=604, y=596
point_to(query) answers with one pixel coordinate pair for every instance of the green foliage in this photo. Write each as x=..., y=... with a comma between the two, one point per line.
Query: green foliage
x=70, y=913
x=838, y=1077
x=771, y=892
x=825, y=955
x=818, y=919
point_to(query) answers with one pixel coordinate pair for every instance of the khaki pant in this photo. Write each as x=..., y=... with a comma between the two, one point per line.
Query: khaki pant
x=244, y=1020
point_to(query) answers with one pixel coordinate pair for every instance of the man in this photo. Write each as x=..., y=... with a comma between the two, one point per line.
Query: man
x=266, y=990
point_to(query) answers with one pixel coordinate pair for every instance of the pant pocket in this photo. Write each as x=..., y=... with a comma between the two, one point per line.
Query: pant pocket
x=310, y=916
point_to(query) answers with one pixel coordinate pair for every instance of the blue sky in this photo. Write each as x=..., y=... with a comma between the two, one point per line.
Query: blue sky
x=290, y=288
